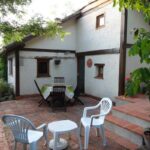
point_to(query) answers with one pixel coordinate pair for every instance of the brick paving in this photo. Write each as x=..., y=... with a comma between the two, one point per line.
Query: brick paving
x=28, y=107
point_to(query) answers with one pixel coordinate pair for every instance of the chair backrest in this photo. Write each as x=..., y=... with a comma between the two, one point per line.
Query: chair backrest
x=59, y=90
x=19, y=127
x=38, y=88
x=105, y=107
x=58, y=97
x=59, y=80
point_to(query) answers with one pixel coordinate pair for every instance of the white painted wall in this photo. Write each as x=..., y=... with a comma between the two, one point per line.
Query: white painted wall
x=135, y=20
x=107, y=87
x=11, y=78
x=68, y=43
x=28, y=71
x=84, y=37
x=89, y=38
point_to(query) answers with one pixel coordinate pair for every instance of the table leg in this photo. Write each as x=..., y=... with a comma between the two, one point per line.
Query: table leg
x=77, y=131
x=56, y=140
x=57, y=143
x=69, y=136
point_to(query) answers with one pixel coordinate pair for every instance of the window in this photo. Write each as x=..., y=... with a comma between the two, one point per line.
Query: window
x=100, y=21
x=99, y=71
x=10, y=66
x=43, y=67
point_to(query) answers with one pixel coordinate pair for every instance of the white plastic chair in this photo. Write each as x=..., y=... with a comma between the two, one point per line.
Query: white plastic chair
x=24, y=131
x=96, y=121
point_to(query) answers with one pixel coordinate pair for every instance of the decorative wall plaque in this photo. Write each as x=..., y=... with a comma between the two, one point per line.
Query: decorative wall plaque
x=89, y=63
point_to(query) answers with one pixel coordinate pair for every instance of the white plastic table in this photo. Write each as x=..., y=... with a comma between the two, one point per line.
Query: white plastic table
x=60, y=127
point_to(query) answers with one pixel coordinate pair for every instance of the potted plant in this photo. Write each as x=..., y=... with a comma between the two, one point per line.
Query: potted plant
x=147, y=137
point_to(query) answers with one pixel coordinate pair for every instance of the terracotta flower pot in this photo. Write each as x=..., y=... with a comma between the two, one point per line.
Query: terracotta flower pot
x=147, y=138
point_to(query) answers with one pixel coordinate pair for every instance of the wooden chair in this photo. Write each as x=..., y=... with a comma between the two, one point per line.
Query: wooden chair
x=58, y=98
x=59, y=80
x=76, y=95
x=43, y=99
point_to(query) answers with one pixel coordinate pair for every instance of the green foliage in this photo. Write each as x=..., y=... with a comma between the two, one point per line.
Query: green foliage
x=138, y=5
x=140, y=76
x=2, y=68
x=36, y=26
x=12, y=30
x=6, y=92
x=140, y=79
x=142, y=46
x=130, y=89
x=11, y=6
x=3, y=86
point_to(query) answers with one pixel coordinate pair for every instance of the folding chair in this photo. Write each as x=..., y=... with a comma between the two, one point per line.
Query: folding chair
x=44, y=98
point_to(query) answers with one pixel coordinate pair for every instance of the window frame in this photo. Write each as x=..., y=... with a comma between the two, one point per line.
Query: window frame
x=10, y=66
x=46, y=60
x=99, y=75
x=98, y=26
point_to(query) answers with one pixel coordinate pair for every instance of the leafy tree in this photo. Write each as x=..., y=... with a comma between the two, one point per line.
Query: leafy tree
x=138, y=5
x=141, y=47
x=12, y=30
x=36, y=26
x=15, y=30
x=11, y=6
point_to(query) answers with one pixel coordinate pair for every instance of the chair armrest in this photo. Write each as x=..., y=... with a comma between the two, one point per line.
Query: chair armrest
x=42, y=126
x=96, y=116
x=45, y=132
x=89, y=108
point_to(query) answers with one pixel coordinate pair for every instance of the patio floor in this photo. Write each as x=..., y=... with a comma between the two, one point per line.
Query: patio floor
x=28, y=107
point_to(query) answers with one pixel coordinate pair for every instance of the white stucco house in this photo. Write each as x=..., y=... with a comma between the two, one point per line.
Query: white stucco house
x=94, y=56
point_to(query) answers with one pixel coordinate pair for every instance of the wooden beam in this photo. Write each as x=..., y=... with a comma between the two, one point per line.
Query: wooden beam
x=98, y=52
x=47, y=50
x=17, y=78
x=123, y=41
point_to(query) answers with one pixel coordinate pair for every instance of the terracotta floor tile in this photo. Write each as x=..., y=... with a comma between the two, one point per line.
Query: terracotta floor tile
x=28, y=107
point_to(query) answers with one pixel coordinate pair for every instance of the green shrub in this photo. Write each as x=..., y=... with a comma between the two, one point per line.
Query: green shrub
x=6, y=91
x=3, y=67
x=139, y=81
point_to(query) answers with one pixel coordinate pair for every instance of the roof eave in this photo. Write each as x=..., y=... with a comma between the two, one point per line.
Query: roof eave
x=15, y=45
x=72, y=16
